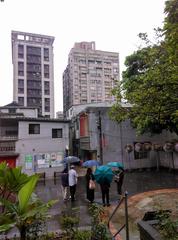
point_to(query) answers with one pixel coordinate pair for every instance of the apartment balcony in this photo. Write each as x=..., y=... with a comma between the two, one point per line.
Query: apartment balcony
x=34, y=68
x=34, y=52
x=7, y=148
x=8, y=138
x=33, y=76
x=33, y=60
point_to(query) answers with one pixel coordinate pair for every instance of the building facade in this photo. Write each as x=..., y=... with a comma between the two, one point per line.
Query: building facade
x=89, y=76
x=93, y=135
x=36, y=144
x=33, y=74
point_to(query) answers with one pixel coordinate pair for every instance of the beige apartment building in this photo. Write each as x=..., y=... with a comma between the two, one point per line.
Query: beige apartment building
x=33, y=73
x=89, y=76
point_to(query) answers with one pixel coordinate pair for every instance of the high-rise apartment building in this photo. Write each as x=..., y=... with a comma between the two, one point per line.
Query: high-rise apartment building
x=89, y=76
x=33, y=74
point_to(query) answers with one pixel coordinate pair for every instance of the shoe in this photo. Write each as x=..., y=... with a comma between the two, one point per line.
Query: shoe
x=104, y=205
x=108, y=204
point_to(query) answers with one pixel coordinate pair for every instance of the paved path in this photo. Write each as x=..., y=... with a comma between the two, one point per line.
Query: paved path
x=134, y=182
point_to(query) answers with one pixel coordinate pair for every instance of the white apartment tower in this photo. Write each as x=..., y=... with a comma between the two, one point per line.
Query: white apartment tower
x=33, y=74
x=89, y=76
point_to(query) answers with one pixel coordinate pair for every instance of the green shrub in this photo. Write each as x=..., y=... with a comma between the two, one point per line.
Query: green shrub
x=99, y=229
x=168, y=227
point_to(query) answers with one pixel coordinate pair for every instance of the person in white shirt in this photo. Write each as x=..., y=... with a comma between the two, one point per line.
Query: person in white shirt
x=72, y=182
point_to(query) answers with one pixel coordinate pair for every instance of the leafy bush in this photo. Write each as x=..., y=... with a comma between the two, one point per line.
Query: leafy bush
x=69, y=221
x=26, y=211
x=167, y=226
x=99, y=226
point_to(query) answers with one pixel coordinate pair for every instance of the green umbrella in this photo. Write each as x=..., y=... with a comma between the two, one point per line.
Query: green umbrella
x=115, y=164
x=103, y=174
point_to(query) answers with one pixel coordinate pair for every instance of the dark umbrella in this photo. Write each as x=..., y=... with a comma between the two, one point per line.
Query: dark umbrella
x=103, y=173
x=90, y=163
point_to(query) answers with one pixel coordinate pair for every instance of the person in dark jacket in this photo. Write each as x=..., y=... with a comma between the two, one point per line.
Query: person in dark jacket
x=119, y=178
x=65, y=184
x=105, y=185
x=89, y=192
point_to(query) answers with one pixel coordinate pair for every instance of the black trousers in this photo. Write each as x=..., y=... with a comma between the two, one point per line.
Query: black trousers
x=72, y=192
x=105, y=195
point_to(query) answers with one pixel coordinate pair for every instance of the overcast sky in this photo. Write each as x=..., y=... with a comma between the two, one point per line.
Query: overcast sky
x=113, y=25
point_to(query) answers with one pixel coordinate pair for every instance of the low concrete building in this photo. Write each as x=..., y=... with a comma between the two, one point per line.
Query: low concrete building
x=36, y=144
x=96, y=136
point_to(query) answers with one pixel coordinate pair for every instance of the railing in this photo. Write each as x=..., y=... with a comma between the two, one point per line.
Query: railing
x=7, y=146
x=126, y=224
x=8, y=138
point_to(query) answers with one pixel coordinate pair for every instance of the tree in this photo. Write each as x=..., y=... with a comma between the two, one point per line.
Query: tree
x=171, y=30
x=11, y=180
x=26, y=208
x=150, y=82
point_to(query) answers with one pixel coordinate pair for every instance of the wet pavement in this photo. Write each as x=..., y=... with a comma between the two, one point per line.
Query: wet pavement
x=134, y=182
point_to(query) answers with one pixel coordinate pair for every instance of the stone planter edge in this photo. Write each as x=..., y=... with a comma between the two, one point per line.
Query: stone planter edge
x=147, y=231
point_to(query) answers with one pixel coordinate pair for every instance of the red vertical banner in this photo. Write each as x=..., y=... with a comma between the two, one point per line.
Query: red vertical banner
x=83, y=125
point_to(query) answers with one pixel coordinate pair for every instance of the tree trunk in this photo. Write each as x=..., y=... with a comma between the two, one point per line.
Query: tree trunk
x=22, y=230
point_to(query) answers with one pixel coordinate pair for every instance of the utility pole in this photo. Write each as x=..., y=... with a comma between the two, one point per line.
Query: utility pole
x=100, y=137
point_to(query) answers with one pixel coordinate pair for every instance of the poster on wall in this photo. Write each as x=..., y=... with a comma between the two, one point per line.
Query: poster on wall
x=28, y=162
x=47, y=160
x=56, y=159
x=42, y=160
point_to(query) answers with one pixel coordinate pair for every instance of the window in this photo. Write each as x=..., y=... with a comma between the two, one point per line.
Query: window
x=35, y=51
x=21, y=101
x=20, y=68
x=57, y=133
x=20, y=51
x=20, y=73
x=12, y=110
x=47, y=108
x=20, y=90
x=46, y=54
x=46, y=92
x=46, y=88
x=34, y=129
x=21, y=83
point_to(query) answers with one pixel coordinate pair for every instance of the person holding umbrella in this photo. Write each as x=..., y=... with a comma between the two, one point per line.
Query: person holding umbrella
x=105, y=185
x=104, y=175
x=65, y=183
x=119, y=175
x=119, y=178
x=72, y=182
x=90, y=191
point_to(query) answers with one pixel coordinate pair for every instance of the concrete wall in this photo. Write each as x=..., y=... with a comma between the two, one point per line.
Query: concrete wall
x=43, y=143
x=116, y=136
x=27, y=112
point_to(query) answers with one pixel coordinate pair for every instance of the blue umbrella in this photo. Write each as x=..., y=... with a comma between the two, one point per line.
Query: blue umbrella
x=90, y=163
x=103, y=173
x=71, y=159
x=115, y=164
